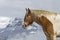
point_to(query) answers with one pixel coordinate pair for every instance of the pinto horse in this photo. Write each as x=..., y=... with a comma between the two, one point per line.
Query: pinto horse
x=49, y=21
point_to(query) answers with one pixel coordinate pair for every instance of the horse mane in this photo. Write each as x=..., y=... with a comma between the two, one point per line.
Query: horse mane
x=39, y=13
x=43, y=12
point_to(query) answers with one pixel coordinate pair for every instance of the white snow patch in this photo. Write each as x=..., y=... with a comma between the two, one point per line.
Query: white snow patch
x=29, y=27
x=4, y=21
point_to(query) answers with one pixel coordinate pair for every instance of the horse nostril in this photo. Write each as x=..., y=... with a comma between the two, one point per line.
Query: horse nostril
x=24, y=26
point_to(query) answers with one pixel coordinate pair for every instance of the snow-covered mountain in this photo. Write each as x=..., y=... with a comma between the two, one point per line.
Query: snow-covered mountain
x=11, y=29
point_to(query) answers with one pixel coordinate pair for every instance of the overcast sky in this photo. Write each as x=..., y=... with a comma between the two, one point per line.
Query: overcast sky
x=16, y=8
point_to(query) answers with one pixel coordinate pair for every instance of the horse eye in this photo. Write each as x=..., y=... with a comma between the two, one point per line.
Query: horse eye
x=26, y=15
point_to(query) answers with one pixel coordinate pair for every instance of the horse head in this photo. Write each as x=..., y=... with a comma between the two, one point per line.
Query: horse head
x=28, y=19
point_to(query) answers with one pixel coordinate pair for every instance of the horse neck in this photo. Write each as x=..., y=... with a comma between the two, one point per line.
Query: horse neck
x=35, y=18
x=37, y=14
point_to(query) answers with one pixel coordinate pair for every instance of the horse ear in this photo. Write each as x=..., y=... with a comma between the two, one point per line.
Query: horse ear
x=29, y=10
x=26, y=9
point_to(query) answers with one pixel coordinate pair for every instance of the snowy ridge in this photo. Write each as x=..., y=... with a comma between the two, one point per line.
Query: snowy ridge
x=13, y=26
x=4, y=21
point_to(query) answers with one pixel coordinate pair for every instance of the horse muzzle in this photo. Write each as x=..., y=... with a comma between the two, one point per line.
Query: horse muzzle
x=24, y=25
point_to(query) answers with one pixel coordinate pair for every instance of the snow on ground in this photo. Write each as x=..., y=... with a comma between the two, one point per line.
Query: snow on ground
x=14, y=30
